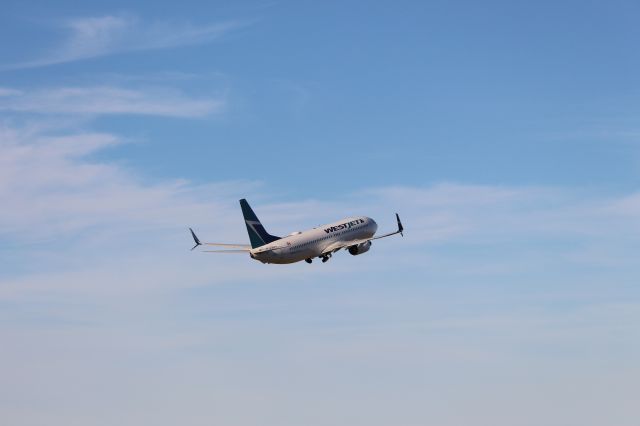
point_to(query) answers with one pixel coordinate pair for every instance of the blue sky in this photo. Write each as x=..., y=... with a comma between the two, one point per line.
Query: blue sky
x=505, y=134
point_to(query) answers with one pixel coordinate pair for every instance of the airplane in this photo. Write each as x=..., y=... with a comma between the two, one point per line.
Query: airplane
x=353, y=234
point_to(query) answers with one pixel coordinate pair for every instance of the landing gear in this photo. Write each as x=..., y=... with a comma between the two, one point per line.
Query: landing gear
x=308, y=260
x=326, y=257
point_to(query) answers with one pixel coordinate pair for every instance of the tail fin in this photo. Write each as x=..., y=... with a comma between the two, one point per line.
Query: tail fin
x=257, y=234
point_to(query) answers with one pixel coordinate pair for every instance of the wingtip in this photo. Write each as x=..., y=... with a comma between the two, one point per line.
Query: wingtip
x=195, y=239
x=400, y=227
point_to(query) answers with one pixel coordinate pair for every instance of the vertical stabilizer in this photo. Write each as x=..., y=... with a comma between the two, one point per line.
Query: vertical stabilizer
x=257, y=234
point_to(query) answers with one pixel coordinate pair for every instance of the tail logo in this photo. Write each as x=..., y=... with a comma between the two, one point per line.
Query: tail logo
x=253, y=225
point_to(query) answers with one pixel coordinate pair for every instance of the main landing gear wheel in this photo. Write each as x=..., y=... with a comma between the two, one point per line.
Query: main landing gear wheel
x=325, y=258
x=308, y=260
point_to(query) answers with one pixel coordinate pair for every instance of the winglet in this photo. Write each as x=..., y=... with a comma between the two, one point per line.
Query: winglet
x=400, y=227
x=195, y=239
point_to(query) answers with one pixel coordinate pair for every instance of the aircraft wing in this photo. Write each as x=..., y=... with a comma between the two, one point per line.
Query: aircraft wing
x=225, y=251
x=237, y=248
x=334, y=247
x=399, y=231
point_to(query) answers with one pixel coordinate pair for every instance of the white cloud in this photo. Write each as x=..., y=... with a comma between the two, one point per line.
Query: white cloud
x=91, y=37
x=100, y=100
x=5, y=91
x=52, y=187
x=105, y=309
x=54, y=191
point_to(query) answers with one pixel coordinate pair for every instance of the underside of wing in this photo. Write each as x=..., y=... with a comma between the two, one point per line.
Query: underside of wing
x=338, y=245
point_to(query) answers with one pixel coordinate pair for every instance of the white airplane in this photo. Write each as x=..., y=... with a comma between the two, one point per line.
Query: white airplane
x=353, y=234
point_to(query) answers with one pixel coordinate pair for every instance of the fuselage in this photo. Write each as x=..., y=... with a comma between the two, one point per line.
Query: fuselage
x=313, y=242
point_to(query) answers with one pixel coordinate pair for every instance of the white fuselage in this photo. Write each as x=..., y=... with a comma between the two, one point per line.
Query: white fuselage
x=314, y=242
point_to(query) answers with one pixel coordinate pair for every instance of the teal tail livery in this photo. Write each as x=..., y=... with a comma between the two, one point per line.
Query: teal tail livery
x=354, y=234
x=257, y=234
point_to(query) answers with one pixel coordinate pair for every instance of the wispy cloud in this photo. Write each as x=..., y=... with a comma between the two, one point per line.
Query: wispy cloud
x=50, y=187
x=5, y=91
x=99, y=100
x=91, y=37
x=98, y=272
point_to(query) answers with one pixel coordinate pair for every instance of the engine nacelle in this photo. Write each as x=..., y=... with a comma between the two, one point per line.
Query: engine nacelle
x=360, y=248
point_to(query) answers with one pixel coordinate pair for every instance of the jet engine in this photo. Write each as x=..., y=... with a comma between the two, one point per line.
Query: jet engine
x=360, y=248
